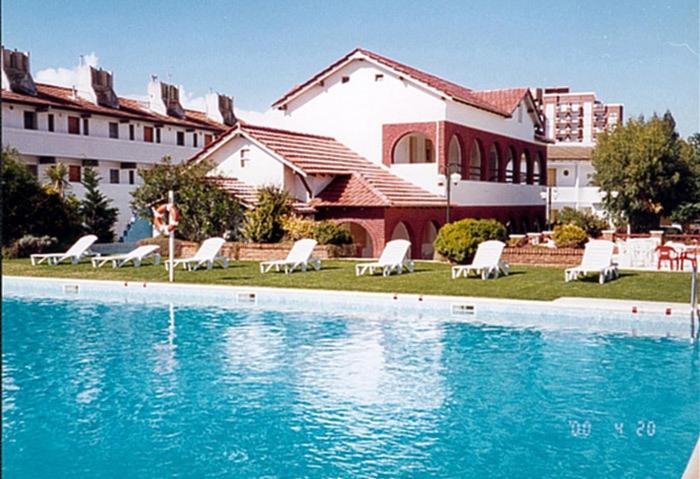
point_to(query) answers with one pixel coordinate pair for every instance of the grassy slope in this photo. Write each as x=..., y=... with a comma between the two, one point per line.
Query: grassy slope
x=429, y=278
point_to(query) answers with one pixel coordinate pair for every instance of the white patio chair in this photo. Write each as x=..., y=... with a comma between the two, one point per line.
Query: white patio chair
x=75, y=253
x=207, y=255
x=597, y=259
x=298, y=257
x=136, y=256
x=393, y=258
x=487, y=262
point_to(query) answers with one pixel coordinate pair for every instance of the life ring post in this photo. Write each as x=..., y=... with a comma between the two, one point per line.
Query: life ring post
x=171, y=238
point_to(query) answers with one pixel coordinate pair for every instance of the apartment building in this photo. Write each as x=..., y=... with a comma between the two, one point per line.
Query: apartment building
x=573, y=122
x=88, y=125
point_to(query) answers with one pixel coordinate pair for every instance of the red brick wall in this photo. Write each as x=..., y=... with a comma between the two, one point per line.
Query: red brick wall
x=466, y=136
x=543, y=256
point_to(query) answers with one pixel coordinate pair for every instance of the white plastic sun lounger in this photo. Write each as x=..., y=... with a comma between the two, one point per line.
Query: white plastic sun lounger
x=79, y=249
x=298, y=257
x=136, y=256
x=487, y=262
x=207, y=255
x=597, y=259
x=393, y=258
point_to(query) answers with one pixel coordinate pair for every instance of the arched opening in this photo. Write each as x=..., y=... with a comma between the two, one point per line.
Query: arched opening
x=493, y=164
x=414, y=148
x=400, y=232
x=427, y=249
x=454, y=152
x=524, y=160
x=362, y=238
x=540, y=173
x=475, y=162
x=510, y=166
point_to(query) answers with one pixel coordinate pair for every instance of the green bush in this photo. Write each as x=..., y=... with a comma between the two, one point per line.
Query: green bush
x=569, y=236
x=458, y=241
x=330, y=232
x=296, y=227
x=29, y=209
x=263, y=224
x=586, y=220
x=205, y=209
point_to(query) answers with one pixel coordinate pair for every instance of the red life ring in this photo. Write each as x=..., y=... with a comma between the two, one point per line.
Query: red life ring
x=173, y=218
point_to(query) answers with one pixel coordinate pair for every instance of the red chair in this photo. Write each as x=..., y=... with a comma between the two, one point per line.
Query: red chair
x=667, y=254
x=688, y=255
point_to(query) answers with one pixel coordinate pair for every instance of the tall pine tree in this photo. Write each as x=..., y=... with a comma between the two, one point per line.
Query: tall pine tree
x=97, y=214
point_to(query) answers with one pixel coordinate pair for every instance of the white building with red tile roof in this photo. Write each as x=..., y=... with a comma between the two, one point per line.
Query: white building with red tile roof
x=89, y=125
x=366, y=142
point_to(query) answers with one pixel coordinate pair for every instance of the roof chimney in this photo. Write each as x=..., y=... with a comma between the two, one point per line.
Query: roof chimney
x=220, y=108
x=103, y=86
x=164, y=98
x=16, y=74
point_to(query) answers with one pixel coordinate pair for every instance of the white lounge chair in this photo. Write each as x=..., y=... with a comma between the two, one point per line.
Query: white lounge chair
x=487, y=262
x=137, y=256
x=393, y=258
x=207, y=254
x=75, y=253
x=298, y=257
x=597, y=259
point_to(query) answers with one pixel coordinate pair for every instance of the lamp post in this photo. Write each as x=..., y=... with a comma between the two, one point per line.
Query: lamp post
x=453, y=172
x=549, y=195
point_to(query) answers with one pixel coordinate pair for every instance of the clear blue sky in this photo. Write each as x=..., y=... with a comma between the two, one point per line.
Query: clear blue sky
x=642, y=53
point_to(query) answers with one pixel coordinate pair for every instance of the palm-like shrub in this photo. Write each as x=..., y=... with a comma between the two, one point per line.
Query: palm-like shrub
x=264, y=222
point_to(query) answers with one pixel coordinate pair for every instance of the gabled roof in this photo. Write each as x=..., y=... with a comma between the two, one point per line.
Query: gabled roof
x=359, y=183
x=482, y=100
x=569, y=152
x=245, y=193
x=64, y=98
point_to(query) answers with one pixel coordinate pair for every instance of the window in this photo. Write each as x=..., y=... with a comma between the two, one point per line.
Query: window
x=413, y=148
x=148, y=134
x=244, y=157
x=475, y=162
x=114, y=176
x=520, y=113
x=132, y=133
x=180, y=138
x=378, y=77
x=74, y=174
x=114, y=130
x=29, y=120
x=208, y=138
x=157, y=135
x=50, y=122
x=194, y=140
x=345, y=79
x=33, y=170
x=73, y=125
x=86, y=126
x=132, y=177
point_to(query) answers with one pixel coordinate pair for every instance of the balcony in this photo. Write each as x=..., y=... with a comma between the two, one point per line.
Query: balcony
x=43, y=143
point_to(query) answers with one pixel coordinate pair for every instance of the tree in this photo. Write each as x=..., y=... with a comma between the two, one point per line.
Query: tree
x=58, y=178
x=205, y=209
x=645, y=170
x=29, y=209
x=689, y=211
x=264, y=223
x=95, y=210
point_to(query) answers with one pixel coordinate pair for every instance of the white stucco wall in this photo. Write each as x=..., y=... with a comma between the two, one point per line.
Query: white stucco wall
x=354, y=112
x=260, y=169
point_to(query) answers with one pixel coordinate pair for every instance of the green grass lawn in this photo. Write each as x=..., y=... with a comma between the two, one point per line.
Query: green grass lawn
x=524, y=282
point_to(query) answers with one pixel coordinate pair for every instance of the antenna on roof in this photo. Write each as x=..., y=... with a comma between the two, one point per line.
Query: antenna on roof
x=154, y=77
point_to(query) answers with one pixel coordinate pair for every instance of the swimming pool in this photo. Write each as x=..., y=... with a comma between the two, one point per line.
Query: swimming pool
x=115, y=389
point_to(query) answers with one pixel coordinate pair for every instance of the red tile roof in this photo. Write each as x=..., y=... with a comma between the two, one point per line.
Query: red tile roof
x=245, y=193
x=482, y=100
x=61, y=97
x=361, y=182
x=506, y=99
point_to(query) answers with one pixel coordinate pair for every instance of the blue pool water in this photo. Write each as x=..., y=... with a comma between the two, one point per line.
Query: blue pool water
x=116, y=390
